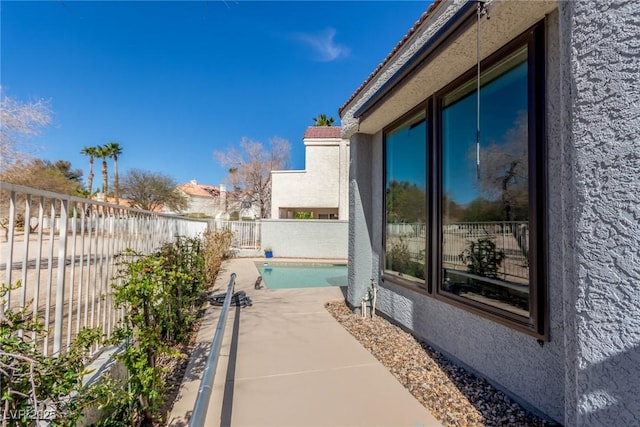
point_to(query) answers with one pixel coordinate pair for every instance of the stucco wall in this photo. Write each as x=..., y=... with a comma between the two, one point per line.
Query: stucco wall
x=513, y=361
x=361, y=269
x=588, y=373
x=600, y=44
x=305, y=238
x=204, y=205
x=321, y=185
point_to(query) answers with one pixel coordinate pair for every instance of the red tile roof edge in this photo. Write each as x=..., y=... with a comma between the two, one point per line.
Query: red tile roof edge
x=400, y=44
x=323, y=132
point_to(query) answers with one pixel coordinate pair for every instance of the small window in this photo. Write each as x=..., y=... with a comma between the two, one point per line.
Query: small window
x=406, y=199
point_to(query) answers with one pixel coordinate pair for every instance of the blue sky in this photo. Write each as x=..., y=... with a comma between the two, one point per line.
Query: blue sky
x=174, y=81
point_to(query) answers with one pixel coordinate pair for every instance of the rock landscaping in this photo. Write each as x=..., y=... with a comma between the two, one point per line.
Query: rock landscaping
x=453, y=395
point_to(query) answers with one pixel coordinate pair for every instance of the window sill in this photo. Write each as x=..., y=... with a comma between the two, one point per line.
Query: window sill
x=509, y=320
x=405, y=282
x=505, y=318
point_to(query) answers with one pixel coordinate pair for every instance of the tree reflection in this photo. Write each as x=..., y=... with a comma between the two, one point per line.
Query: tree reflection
x=406, y=202
x=504, y=172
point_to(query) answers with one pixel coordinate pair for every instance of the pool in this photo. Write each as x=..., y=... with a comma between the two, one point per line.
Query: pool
x=277, y=275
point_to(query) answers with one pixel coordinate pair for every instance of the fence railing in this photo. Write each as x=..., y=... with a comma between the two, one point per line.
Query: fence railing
x=63, y=250
x=509, y=237
x=246, y=234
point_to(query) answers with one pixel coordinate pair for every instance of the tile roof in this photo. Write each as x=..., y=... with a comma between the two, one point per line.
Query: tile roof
x=121, y=201
x=323, y=132
x=200, y=190
x=401, y=43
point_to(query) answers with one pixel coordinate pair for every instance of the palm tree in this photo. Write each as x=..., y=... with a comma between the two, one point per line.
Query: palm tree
x=115, y=150
x=103, y=153
x=322, y=120
x=92, y=153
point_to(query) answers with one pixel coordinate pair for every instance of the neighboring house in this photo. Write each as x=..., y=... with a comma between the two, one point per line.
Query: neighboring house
x=121, y=201
x=321, y=189
x=516, y=254
x=216, y=202
x=204, y=200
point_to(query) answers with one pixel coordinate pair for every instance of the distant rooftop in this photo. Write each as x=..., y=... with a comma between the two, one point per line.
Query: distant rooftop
x=202, y=190
x=323, y=132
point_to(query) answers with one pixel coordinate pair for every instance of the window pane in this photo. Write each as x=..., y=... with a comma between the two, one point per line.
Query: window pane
x=485, y=209
x=406, y=199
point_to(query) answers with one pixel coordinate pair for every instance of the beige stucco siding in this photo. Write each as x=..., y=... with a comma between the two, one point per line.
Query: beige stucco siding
x=323, y=184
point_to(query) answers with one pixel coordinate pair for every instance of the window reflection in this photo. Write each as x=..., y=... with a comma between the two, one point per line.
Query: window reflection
x=406, y=199
x=485, y=212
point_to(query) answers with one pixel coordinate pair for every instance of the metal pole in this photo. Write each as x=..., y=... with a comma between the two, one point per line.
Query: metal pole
x=62, y=263
x=199, y=412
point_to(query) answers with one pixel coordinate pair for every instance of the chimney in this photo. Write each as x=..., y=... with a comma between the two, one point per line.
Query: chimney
x=223, y=197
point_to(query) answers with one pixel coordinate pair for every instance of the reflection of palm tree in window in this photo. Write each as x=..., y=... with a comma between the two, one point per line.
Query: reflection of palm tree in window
x=504, y=173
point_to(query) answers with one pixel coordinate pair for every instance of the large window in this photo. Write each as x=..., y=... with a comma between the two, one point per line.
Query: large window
x=480, y=247
x=406, y=199
x=485, y=194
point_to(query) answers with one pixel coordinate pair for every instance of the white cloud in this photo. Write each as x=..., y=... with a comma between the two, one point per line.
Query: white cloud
x=323, y=45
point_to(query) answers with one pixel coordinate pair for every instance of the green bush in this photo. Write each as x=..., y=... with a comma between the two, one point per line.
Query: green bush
x=33, y=385
x=161, y=295
x=399, y=259
x=482, y=258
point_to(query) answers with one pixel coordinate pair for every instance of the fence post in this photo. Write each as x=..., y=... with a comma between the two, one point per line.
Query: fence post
x=62, y=263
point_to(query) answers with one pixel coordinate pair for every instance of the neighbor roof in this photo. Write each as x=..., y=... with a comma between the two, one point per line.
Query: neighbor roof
x=402, y=42
x=323, y=132
x=200, y=190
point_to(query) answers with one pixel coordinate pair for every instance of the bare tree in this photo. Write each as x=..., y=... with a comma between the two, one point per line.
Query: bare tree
x=20, y=121
x=151, y=191
x=250, y=169
x=504, y=170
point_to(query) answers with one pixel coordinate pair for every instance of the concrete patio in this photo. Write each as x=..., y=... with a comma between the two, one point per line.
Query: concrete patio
x=286, y=361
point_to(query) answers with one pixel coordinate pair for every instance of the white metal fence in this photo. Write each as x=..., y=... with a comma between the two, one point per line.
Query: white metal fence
x=246, y=234
x=510, y=237
x=63, y=250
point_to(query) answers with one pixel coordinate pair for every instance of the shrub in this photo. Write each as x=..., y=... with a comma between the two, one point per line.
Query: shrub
x=482, y=258
x=35, y=386
x=401, y=260
x=216, y=248
x=160, y=294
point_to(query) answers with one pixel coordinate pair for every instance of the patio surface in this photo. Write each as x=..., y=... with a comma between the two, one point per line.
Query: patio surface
x=286, y=361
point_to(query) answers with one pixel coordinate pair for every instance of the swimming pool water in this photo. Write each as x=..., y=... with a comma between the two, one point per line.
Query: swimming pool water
x=280, y=276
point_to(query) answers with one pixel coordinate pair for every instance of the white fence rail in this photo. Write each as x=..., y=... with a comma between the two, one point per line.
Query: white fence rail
x=510, y=237
x=63, y=250
x=246, y=234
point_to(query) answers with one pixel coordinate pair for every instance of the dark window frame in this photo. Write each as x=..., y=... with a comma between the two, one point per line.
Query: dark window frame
x=537, y=323
x=406, y=280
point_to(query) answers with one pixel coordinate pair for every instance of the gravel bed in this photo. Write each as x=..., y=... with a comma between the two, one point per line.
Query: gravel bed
x=454, y=396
